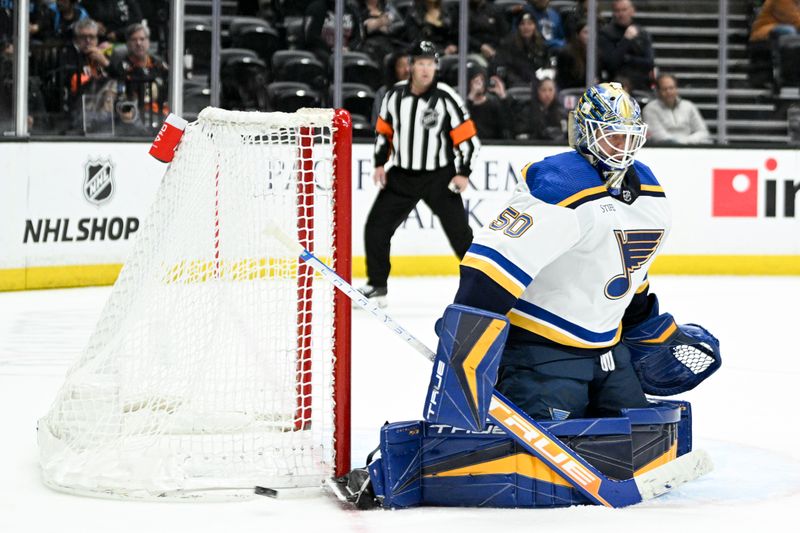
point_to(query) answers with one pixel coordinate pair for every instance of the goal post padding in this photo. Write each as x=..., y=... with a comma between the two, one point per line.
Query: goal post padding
x=219, y=362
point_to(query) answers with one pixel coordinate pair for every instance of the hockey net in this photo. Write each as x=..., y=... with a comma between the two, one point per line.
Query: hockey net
x=220, y=362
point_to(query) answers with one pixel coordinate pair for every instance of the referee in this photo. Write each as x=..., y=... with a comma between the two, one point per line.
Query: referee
x=424, y=149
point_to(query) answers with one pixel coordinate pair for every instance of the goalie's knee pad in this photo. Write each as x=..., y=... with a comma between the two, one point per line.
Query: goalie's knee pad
x=471, y=343
x=671, y=358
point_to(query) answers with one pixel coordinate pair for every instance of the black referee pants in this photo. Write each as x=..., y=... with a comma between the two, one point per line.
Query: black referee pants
x=404, y=189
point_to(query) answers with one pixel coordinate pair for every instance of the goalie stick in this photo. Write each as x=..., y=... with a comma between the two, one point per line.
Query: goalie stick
x=592, y=483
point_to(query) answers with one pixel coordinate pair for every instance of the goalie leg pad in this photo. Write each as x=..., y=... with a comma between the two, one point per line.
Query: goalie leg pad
x=671, y=358
x=437, y=464
x=471, y=343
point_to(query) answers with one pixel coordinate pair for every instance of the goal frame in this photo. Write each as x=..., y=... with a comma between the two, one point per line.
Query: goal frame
x=145, y=412
x=343, y=244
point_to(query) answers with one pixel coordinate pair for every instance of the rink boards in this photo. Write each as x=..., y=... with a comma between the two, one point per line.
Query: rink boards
x=70, y=210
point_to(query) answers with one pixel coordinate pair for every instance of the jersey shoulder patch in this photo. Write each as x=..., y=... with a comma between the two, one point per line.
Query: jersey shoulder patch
x=566, y=180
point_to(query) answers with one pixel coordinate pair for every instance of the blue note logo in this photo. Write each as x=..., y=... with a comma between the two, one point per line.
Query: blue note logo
x=635, y=248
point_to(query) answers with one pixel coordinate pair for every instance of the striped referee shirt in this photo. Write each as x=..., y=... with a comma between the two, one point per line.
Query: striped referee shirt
x=425, y=132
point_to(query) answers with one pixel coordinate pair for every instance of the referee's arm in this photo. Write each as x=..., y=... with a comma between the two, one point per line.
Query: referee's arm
x=385, y=132
x=463, y=133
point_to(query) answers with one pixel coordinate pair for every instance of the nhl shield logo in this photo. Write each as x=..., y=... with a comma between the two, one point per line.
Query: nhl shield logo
x=430, y=118
x=98, y=181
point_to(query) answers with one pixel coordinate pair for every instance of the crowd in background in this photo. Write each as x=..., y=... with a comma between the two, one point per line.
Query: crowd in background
x=93, y=66
x=96, y=67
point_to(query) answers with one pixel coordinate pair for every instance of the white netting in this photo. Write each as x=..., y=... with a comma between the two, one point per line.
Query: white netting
x=211, y=366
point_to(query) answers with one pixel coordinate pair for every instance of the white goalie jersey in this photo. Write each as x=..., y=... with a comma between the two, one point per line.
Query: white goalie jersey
x=565, y=259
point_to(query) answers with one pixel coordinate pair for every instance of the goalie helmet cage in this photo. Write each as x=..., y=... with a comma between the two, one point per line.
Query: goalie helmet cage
x=220, y=362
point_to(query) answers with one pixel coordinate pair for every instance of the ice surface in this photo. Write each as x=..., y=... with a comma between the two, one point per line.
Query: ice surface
x=744, y=416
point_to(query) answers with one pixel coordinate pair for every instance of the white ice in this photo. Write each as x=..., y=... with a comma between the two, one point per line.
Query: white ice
x=745, y=416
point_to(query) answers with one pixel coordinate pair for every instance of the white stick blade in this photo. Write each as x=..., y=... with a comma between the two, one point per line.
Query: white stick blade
x=672, y=475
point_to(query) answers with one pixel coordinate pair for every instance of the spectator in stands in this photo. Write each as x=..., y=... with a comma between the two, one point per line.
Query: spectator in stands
x=548, y=22
x=775, y=19
x=625, y=48
x=544, y=119
x=99, y=111
x=85, y=67
x=571, y=60
x=58, y=21
x=129, y=123
x=487, y=105
x=142, y=75
x=522, y=53
x=398, y=68
x=113, y=16
x=138, y=62
x=671, y=119
x=487, y=25
x=107, y=114
x=429, y=21
x=320, y=29
x=383, y=28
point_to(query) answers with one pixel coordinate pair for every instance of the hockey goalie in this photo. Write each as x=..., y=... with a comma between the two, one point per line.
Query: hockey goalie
x=554, y=315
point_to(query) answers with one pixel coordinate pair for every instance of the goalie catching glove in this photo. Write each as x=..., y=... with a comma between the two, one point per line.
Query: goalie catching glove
x=670, y=358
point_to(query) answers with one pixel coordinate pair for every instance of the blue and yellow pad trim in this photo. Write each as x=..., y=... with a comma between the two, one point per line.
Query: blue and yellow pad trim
x=471, y=342
x=437, y=464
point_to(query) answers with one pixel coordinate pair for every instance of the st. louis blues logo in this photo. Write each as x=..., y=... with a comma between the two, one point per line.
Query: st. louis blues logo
x=635, y=248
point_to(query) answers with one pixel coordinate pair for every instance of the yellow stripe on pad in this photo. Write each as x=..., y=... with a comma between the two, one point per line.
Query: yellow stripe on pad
x=477, y=352
x=522, y=463
x=664, y=336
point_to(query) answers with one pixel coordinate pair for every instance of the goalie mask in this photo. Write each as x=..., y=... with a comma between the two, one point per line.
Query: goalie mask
x=607, y=127
x=671, y=358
